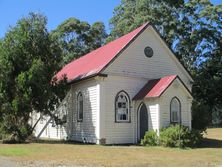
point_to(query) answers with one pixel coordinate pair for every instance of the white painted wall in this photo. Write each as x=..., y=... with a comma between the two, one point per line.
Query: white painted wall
x=153, y=117
x=51, y=131
x=176, y=89
x=133, y=62
x=87, y=129
x=117, y=133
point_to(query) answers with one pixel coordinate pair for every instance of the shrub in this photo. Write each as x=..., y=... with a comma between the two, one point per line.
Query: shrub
x=150, y=139
x=196, y=137
x=179, y=136
x=170, y=136
x=173, y=136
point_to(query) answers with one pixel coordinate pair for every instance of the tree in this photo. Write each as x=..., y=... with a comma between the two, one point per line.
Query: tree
x=76, y=38
x=29, y=60
x=192, y=29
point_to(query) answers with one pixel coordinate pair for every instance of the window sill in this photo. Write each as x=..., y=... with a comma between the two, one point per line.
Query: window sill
x=123, y=121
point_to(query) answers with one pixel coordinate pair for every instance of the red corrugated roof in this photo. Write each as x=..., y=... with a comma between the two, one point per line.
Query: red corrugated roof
x=93, y=62
x=155, y=87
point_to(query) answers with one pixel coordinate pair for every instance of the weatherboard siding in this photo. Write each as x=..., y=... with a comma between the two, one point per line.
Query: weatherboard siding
x=51, y=131
x=113, y=132
x=133, y=62
x=85, y=131
x=178, y=91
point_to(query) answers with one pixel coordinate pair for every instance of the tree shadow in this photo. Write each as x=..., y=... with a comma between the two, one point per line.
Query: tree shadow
x=211, y=143
x=54, y=141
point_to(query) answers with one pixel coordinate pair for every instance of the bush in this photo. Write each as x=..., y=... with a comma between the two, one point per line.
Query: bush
x=179, y=136
x=150, y=139
x=196, y=137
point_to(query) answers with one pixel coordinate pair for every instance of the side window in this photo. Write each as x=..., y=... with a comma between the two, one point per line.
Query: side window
x=122, y=107
x=175, y=110
x=80, y=107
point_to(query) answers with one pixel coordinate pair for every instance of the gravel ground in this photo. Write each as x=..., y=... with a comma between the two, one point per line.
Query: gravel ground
x=7, y=162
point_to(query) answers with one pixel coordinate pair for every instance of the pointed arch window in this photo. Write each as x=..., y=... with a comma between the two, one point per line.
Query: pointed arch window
x=122, y=107
x=175, y=111
x=80, y=106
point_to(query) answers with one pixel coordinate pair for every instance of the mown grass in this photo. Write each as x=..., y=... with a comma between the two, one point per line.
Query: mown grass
x=210, y=154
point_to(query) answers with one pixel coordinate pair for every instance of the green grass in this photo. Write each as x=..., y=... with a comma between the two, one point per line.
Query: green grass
x=20, y=149
x=210, y=154
x=14, y=151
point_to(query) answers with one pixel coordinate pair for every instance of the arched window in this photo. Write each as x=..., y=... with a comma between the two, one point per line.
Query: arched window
x=122, y=107
x=175, y=110
x=80, y=106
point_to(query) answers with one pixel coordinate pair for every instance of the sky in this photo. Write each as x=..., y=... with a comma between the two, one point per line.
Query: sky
x=59, y=10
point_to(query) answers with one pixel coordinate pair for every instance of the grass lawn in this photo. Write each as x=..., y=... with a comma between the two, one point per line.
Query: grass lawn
x=210, y=154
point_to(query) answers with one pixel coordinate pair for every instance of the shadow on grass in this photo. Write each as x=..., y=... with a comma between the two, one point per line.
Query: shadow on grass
x=60, y=142
x=211, y=143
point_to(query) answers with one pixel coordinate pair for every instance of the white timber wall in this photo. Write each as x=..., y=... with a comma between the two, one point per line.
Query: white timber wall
x=87, y=130
x=117, y=133
x=153, y=117
x=133, y=62
x=49, y=130
x=175, y=90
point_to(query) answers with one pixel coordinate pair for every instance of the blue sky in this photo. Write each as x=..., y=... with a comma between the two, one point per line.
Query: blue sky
x=58, y=10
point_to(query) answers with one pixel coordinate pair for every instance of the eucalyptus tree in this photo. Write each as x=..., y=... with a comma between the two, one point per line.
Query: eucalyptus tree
x=76, y=38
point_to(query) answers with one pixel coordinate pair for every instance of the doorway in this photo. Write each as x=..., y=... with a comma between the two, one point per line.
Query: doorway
x=143, y=120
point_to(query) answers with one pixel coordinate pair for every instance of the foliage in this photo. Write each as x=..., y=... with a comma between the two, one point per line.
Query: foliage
x=200, y=116
x=193, y=30
x=195, y=137
x=179, y=136
x=29, y=60
x=77, y=38
x=150, y=139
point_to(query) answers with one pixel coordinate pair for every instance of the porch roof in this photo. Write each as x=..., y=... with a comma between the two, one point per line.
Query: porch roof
x=155, y=87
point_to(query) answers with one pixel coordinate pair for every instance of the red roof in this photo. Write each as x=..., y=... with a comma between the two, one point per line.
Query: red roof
x=155, y=87
x=94, y=62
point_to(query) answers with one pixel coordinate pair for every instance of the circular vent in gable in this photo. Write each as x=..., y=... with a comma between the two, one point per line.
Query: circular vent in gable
x=148, y=51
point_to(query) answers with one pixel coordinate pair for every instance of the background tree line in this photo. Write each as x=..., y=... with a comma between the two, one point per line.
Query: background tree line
x=30, y=56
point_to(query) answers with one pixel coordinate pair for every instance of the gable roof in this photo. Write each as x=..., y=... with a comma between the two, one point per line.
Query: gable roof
x=94, y=62
x=156, y=87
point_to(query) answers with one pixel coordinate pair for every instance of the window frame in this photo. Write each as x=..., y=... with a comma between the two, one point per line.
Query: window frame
x=128, y=120
x=78, y=107
x=179, y=112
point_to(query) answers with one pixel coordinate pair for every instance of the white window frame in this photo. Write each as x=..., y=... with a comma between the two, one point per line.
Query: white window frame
x=79, y=107
x=118, y=109
x=175, y=109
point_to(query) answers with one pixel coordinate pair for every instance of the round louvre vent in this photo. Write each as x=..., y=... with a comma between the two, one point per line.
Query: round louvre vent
x=148, y=51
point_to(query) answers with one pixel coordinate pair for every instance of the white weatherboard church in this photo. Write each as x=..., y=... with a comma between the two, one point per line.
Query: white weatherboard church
x=121, y=90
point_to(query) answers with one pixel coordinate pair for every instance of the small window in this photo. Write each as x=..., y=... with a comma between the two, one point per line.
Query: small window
x=148, y=51
x=80, y=106
x=122, y=107
x=175, y=110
